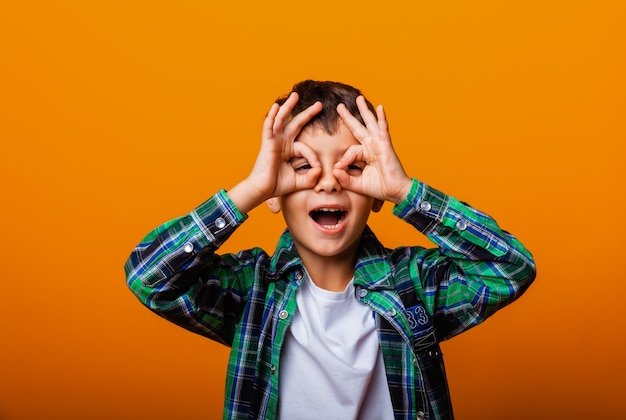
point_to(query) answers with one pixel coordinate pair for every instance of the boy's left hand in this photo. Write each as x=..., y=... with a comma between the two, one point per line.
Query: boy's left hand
x=383, y=176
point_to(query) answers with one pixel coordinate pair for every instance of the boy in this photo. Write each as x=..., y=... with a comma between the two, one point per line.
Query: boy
x=333, y=325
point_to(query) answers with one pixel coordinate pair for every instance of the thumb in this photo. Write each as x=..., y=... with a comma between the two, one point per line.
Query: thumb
x=346, y=181
x=352, y=154
x=308, y=179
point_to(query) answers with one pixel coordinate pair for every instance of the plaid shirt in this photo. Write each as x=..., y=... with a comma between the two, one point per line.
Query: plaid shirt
x=419, y=296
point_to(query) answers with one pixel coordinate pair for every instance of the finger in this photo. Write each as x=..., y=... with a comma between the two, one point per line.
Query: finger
x=268, y=124
x=302, y=150
x=300, y=120
x=347, y=182
x=352, y=154
x=285, y=110
x=356, y=128
x=366, y=114
x=383, y=125
x=307, y=180
x=343, y=177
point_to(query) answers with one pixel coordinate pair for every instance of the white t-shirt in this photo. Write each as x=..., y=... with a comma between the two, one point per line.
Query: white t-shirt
x=331, y=363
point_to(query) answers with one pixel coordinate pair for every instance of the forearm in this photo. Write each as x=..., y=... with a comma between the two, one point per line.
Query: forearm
x=164, y=270
x=171, y=247
x=246, y=196
x=486, y=267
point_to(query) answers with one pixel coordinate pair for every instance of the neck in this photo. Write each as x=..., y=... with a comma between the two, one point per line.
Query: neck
x=331, y=280
x=330, y=273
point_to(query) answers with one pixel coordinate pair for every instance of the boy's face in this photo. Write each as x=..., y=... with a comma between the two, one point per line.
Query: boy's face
x=326, y=220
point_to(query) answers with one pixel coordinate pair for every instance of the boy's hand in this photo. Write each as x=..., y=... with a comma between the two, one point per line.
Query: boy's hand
x=273, y=174
x=383, y=176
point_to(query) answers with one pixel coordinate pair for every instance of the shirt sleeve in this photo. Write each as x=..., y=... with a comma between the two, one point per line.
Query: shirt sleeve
x=175, y=272
x=477, y=268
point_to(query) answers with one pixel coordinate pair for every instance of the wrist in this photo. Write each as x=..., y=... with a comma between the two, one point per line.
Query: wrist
x=402, y=191
x=246, y=196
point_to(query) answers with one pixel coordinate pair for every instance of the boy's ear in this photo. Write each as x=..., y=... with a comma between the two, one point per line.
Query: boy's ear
x=377, y=205
x=274, y=204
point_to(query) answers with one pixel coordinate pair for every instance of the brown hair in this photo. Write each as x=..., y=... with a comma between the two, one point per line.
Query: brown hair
x=330, y=94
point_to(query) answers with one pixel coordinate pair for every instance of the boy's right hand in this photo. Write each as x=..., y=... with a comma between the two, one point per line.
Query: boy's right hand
x=272, y=174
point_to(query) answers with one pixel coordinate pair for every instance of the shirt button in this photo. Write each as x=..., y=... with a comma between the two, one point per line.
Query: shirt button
x=283, y=314
x=391, y=312
x=425, y=206
x=299, y=275
x=461, y=225
x=188, y=248
x=362, y=293
x=273, y=370
x=220, y=223
x=420, y=415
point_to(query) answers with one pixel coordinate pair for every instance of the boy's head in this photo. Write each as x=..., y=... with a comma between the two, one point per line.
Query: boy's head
x=330, y=94
x=326, y=220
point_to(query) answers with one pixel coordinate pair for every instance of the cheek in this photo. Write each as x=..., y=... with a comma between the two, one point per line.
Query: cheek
x=293, y=207
x=364, y=208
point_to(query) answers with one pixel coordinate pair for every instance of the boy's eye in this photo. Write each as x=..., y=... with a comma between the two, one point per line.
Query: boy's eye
x=302, y=168
x=354, y=168
x=300, y=165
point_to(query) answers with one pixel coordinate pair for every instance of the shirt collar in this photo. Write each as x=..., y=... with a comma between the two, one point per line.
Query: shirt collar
x=373, y=270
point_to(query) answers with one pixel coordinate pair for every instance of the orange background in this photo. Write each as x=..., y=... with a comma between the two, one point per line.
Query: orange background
x=116, y=116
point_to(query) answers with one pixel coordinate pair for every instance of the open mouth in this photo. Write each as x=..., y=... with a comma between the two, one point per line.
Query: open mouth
x=328, y=218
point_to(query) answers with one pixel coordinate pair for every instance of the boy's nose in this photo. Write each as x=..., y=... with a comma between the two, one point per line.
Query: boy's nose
x=327, y=182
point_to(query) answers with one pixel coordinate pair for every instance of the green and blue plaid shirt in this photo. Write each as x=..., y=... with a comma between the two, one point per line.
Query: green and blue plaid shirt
x=419, y=296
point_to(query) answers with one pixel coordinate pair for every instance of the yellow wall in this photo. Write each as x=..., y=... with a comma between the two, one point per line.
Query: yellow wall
x=118, y=115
